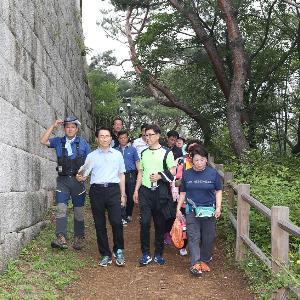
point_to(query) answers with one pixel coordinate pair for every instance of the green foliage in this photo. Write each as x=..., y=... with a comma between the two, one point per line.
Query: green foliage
x=105, y=93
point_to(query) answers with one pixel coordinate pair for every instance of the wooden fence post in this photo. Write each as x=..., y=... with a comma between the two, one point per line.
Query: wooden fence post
x=279, y=242
x=228, y=176
x=242, y=228
x=220, y=167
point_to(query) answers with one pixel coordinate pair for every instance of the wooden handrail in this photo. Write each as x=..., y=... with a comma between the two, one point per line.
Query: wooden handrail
x=258, y=205
x=233, y=186
x=258, y=253
x=232, y=219
x=289, y=227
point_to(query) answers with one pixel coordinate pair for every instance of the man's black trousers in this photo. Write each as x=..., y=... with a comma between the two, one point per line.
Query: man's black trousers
x=149, y=207
x=102, y=199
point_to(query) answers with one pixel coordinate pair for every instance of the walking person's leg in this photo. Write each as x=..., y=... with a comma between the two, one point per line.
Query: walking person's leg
x=78, y=199
x=194, y=238
x=97, y=197
x=208, y=236
x=115, y=219
x=159, y=225
x=114, y=216
x=62, y=197
x=129, y=189
x=145, y=221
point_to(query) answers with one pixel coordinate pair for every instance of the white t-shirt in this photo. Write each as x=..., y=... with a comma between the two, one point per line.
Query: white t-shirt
x=140, y=145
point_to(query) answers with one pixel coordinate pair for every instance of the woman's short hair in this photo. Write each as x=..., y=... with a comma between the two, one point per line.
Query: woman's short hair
x=200, y=150
x=193, y=141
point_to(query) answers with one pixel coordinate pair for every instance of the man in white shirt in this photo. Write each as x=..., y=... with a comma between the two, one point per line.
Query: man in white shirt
x=140, y=143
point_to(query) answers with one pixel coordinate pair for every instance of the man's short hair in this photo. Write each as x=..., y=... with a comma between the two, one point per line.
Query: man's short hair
x=117, y=119
x=122, y=132
x=102, y=128
x=153, y=127
x=144, y=126
x=173, y=133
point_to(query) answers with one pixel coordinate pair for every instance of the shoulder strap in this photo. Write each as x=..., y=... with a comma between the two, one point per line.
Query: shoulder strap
x=77, y=147
x=165, y=158
x=63, y=147
x=143, y=152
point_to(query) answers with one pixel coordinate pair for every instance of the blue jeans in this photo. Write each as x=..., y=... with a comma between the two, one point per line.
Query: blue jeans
x=201, y=237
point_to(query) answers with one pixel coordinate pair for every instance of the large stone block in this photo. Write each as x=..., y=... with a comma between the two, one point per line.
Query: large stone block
x=7, y=43
x=12, y=125
x=4, y=79
x=48, y=174
x=4, y=10
x=14, y=241
x=21, y=210
x=6, y=170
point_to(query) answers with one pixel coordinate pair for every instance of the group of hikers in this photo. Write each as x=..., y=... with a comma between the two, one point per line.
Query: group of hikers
x=169, y=180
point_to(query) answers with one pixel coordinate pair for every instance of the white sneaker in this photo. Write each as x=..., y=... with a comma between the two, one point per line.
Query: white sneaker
x=183, y=252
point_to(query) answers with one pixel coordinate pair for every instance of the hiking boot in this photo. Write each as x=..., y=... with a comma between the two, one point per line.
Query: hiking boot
x=60, y=242
x=196, y=270
x=145, y=259
x=78, y=242
x=183, y=252
x=204, y=267
x=120, y=259
x=105, y=261
x=159, y=259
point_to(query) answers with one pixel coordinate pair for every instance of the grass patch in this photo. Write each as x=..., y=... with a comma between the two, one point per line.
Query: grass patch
x=41, y=272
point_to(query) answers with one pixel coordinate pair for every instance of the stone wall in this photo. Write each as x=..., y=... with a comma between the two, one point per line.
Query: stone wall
x=42, y=78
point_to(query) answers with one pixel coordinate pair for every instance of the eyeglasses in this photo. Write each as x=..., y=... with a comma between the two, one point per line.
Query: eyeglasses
x=150, y=134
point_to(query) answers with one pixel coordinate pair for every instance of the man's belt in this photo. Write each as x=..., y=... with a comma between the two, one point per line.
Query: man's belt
x=130, y=172
x=104, y=185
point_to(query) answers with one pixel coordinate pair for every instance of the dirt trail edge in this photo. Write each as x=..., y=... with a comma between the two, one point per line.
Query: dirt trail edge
x=171, y=281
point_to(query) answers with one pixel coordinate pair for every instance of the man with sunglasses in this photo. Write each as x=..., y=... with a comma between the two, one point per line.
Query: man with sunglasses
x=157, y=169
x=71, y=151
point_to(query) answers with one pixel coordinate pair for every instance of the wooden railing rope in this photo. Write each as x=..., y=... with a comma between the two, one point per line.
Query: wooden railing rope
x=281, y=227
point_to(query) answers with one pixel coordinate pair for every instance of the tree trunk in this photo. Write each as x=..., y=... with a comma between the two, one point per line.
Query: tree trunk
x=236, y=98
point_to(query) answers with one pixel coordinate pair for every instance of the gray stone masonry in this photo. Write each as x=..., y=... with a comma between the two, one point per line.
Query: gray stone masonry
x=42, y=78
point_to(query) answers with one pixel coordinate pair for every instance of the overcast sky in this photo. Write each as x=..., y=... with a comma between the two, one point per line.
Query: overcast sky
x=95, y=37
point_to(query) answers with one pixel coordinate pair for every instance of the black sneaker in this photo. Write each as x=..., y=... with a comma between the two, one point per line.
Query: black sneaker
x=78, y=242
x=60, y=242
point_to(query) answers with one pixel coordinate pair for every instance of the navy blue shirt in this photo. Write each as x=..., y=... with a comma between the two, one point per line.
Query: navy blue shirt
x=84, y=148
x=130, y=156
x=200, y=186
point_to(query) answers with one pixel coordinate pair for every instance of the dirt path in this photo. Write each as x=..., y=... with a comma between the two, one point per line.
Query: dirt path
x=171, y=281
